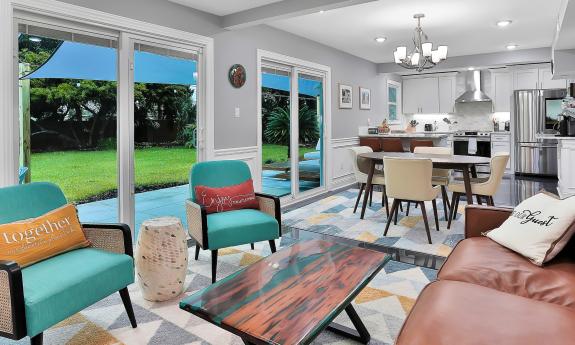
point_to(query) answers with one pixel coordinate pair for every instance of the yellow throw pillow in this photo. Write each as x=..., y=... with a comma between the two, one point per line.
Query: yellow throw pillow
x=32, y=240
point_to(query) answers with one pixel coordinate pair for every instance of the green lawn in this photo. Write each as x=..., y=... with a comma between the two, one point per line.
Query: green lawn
x=85, y=175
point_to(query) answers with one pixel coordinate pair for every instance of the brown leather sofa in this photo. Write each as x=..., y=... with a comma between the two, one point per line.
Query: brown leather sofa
x=486, y=294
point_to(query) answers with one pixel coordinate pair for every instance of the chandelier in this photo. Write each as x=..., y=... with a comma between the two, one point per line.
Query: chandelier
x=421, y=56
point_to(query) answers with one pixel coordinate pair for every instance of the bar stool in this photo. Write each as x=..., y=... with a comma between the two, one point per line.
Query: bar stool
x=419, y=143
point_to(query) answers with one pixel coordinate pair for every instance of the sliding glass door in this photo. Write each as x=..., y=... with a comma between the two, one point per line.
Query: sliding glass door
x=292, y=122
x=165, y=129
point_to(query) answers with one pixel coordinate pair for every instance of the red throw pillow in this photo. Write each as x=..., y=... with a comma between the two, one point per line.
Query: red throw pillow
x=236, y=197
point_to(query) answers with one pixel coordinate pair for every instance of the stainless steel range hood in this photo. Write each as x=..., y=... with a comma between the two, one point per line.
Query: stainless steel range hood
x=473, y=87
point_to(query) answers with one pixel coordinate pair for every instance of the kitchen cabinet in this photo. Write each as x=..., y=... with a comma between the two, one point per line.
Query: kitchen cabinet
x=447, y=94
x=501, y=143
x=536, y=77
x=566, y=166
x=501, y=91
x=429, y=95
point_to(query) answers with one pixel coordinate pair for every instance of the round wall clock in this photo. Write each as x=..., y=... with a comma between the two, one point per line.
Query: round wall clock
x=237, y=76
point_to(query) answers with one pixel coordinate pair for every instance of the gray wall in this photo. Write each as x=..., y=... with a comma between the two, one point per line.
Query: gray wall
x=241, y=47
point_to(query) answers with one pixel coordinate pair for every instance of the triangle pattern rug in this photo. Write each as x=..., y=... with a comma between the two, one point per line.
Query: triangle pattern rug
x=334, y=216
x=382, y=305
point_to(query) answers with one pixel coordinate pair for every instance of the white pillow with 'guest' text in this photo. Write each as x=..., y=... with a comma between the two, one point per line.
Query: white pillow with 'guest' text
x=539, y=227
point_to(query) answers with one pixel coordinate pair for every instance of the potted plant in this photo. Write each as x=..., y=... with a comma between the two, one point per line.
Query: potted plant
x=411, y=126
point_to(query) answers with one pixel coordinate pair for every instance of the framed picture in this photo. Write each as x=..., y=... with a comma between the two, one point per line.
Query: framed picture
x=364, y=98
x=345, y=96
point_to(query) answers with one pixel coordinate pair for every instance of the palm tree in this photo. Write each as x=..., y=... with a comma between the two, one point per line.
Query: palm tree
x=278, y=126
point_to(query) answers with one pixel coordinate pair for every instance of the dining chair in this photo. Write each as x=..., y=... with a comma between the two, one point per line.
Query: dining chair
x=410, y=180
x=480, y=187
x=361, y=170
x=440, y=176
x=392, y=145
x=420, y=143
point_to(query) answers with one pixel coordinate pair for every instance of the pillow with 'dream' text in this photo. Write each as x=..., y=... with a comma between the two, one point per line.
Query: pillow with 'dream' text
x=32, y=240
x=539, y=227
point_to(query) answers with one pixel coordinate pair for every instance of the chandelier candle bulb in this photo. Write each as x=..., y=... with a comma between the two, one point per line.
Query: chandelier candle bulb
x=442, y=52
x=427, y=47
x=415, y=59
x=435, y=56
x=402, y=53
x=396, y=56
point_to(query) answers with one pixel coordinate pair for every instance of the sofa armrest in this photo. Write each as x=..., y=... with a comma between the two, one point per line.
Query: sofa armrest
x=197, y=223
x=479, y=219
x=12, y=312
x=115, y=238
x=271, y=205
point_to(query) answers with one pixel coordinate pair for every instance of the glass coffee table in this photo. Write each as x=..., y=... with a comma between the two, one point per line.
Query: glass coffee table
x=291, y=296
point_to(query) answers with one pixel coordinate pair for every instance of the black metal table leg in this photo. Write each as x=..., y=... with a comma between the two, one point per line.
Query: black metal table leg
x=359, y=334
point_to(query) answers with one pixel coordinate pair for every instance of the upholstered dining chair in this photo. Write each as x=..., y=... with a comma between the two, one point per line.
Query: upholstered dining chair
x=419, y=143
x=440, y=176
x=227, y=229
x=361, y=170
x=37, y=297
x=410, y=180
x=480, y=187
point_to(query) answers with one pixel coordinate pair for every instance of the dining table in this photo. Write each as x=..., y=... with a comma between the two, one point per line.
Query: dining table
x=465, y=164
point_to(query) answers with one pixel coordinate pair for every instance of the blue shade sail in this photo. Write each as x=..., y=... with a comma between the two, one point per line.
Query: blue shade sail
x=82, y=61
x=281, y=82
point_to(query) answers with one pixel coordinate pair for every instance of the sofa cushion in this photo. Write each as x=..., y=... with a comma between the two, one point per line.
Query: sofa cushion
x=481, y=261
x=59, y=287
x=450, y=312
x=232, y=228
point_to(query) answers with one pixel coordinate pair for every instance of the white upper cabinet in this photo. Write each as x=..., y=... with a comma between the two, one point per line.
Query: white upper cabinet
x=501, y=91
x=536, y=77
x=447, y=95
x=425, y=95
x=546, y=82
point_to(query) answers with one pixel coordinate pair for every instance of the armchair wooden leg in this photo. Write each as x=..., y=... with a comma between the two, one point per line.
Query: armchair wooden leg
x=214, y=264
x=454, y=206
x=37, y=339
x=371, y=195
x=252, y=245
x=479, y=202
x=490, y=200
x=358, y=197
x=197, y=252
x=445, y=199
x=393, y=210
x=401, y=207
x=272, y=245
x=434, y=203
x=424, y=214
x=385, y=201
x=407, y=211
x=128, y=305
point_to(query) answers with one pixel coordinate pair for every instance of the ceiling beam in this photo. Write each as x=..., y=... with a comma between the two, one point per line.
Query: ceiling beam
x=282, y=10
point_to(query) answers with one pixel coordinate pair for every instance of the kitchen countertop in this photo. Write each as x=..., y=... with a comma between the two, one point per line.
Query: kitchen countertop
x=406, y=135
x=547, y=136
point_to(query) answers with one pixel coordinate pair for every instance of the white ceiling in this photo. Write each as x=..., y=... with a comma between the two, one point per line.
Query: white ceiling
x=466, y=26
x=223, y=7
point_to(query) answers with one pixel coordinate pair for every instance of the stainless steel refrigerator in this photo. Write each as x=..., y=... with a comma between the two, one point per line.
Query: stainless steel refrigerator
x=536, y=112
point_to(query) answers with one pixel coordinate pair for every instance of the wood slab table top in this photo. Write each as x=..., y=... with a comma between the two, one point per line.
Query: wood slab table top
x=290, y=296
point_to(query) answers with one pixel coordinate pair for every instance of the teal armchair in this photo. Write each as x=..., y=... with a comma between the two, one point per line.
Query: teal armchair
x=226, y=229
x=35, y=298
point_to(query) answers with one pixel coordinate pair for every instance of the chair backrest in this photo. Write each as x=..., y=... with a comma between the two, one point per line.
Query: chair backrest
x=437, y=150
x=408, y=179
x=418, y=143
x=392, y=145
x=497, y=165
x=30, y=200
x=218, y=174
x=360, y=165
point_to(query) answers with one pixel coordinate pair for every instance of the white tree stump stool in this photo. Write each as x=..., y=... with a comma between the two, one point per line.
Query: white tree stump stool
x=161, y=258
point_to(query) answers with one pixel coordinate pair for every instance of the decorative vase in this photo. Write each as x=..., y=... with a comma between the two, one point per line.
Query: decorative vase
x=410, y=129
x=161, y=258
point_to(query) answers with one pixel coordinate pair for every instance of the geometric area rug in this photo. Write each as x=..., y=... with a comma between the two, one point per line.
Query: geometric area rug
x=333, y=215
x=382, y=305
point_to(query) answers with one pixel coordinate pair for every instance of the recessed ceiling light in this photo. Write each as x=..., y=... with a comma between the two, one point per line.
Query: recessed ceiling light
x=471, y=68
x=511, y=46
x=35, y=39
x=380, y=39
x=504, y=23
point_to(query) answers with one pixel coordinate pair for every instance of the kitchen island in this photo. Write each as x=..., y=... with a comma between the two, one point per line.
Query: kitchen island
x=565, y=164
x=439, y=139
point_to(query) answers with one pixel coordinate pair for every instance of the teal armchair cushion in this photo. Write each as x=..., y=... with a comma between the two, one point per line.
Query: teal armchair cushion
x=237, y=227
x=216, y=174
x=29, y=201
x=59, y=287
